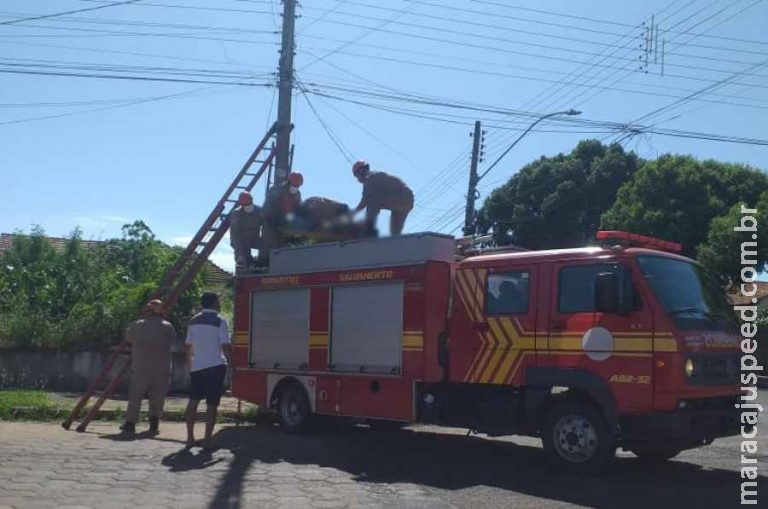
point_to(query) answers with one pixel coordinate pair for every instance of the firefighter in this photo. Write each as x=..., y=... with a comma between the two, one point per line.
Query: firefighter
x=151, y=339
x=382, y=191
x=319, y=213
x=281, y=205
x=245, y=229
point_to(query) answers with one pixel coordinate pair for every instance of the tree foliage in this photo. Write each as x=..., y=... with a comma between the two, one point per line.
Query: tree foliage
x=561, y=201
x=557, y=201
x=78, y=296
x=721, y=252
x=692, y=202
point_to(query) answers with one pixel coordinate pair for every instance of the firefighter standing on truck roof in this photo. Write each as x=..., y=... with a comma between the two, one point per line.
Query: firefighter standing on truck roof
x=282, y=201
x=245, y=229
x=151, y=339
x=382, y=191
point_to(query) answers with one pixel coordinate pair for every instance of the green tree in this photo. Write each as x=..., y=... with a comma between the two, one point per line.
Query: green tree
x=79, y=296
x=679, y=198
x=557, y=201
x=721, y=253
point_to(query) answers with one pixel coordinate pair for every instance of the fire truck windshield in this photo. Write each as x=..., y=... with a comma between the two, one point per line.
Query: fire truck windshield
x=690, y=295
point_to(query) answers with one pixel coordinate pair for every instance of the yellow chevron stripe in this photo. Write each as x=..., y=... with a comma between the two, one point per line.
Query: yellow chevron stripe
x=498, y=351
x=475, y=361
x=520, y=340
x=517, y=365
x=242, y=338
x=318, y=340
x=501, y=375
x=477, y=304
x=413, y=340
x=461, y=284
x=479, y=279
x=487, y=352
x=665, y=344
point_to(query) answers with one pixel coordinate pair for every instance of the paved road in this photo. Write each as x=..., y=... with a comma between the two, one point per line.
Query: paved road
x=41, y=465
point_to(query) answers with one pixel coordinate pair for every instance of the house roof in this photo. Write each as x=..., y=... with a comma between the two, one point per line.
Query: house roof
x=737, y=299
x=214, y=273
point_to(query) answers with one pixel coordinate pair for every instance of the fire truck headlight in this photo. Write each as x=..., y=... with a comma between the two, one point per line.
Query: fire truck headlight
x=689, y=368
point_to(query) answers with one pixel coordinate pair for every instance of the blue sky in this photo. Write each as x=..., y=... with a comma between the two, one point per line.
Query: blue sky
x=397, y=83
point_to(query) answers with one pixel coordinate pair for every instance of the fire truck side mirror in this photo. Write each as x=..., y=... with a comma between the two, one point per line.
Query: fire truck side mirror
x=607, y=293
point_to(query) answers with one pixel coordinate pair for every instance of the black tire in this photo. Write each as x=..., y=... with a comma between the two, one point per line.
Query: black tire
x=293, y=409
x=655, y=453
x=577, y=438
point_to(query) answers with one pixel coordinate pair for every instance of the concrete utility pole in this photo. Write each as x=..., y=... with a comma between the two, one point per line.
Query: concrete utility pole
x=285, y=91
x=469, y=214
x=469, y=228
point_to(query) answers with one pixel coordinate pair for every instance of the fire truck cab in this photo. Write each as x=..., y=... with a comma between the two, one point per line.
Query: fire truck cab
x=626, y=344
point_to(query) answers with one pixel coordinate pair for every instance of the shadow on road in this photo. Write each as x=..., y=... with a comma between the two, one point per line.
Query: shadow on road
x=186, y=459
x=130, y=437
x=454, y=462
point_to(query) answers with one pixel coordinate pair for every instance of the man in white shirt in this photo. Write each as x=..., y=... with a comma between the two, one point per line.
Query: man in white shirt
x=209, y=350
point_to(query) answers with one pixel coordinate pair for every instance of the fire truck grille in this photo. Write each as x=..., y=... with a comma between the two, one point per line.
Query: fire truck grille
x=716, y=370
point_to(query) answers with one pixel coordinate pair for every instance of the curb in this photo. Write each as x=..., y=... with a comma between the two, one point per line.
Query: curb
x=22, y=413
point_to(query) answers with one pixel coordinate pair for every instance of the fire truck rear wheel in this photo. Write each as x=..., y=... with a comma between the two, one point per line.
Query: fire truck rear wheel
x=577, y=438
x=293, y=409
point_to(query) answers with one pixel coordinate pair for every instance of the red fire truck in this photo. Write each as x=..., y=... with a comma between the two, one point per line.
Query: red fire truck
x=627, y=344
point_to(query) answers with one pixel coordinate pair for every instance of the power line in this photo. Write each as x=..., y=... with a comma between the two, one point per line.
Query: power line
x=127, y=77
x=616, y=23
x=385, y=22
x=343, y=150
x=192, y=7
x=464, y=21
x=484, y=37
x=64, y=13
x=116, y=106
x=546, y=80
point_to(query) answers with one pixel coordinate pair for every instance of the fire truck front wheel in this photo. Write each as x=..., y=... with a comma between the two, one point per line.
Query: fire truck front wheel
x=576, y=437
x=293, y=409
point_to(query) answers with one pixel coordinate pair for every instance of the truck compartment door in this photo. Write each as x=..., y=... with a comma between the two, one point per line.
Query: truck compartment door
x=280, y=329
x=367, y=328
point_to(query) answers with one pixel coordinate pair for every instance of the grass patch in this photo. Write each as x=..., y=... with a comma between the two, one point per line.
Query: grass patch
x=29, y=405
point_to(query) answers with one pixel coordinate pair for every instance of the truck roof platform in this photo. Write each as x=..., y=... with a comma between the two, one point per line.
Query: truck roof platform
x=368, y=252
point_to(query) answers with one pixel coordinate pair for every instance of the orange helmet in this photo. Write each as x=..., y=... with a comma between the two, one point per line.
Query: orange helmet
x=245, y=198
x=360, y=168
x=296, y=179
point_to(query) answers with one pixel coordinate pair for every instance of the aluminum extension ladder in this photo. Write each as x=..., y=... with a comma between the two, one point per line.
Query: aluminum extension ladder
x=180, y=276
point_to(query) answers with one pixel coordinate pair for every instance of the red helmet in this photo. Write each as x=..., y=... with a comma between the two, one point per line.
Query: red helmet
x=360, y=168
x=296, y=179
x=245, y=198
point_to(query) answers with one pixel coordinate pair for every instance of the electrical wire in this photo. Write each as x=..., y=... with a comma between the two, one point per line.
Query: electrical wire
x=64, y=13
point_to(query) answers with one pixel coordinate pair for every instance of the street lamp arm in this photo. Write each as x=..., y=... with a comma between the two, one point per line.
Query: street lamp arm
x=538, y=120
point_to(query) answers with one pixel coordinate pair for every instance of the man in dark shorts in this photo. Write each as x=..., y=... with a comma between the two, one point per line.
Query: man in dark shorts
x=209, y=350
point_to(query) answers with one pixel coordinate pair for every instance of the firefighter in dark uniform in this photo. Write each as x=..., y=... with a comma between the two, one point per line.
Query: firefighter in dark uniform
x=245, y=229
x=151, y=339
x=281, y=204
x=382, y=191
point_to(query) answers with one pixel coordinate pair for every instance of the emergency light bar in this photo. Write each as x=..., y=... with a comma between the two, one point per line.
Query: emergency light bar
x=635, y=240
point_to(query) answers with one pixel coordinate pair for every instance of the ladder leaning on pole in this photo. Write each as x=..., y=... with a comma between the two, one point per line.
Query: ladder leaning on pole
x=180, y=276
